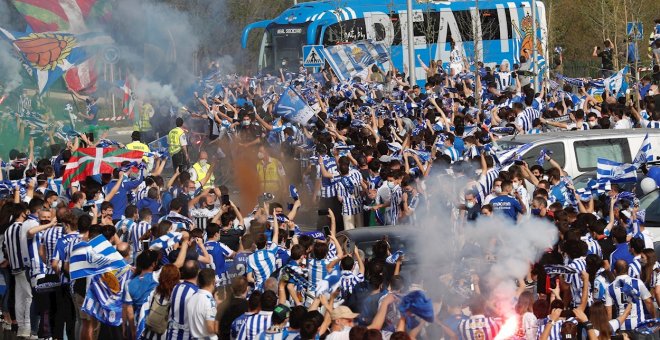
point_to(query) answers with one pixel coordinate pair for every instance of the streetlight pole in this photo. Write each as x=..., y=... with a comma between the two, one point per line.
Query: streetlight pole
x=534, y=49
x=411, y=45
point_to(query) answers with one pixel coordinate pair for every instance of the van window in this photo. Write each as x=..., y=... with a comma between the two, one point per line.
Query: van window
x=558, y=154
x=587, y=152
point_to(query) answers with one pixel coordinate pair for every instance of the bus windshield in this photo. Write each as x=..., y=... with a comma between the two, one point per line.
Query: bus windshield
x=282, y=42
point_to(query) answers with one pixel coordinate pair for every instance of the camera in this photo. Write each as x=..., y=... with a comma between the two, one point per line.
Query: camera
x=265, y=197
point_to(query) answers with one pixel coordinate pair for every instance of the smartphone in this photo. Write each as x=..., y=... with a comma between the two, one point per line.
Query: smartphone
x=323, y=212
x=518, y=163
x=145, y=244
x=326, y=230
x=224, y=199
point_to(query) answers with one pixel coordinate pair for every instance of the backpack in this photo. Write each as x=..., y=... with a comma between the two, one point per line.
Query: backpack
x=158, y=316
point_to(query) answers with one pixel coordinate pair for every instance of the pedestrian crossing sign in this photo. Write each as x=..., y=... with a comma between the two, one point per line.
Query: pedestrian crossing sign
x=313, y=56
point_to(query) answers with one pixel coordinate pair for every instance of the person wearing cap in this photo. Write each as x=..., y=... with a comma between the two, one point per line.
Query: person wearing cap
x=201, y=308
x=277, y=329
x=342, y=322
x=178, y=146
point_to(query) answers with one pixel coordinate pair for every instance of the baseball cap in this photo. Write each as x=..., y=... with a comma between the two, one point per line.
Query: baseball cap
x=343, y=312
x=280, y=313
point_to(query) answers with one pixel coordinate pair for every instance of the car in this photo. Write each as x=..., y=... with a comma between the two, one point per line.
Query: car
x=578, y=151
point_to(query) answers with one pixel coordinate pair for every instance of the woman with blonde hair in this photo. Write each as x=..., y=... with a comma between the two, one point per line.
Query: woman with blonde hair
x=527, y=323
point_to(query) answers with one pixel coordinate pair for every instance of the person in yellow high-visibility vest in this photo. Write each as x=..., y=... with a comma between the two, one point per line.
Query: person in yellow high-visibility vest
x=137, y=145
x=200, y=170
x=270, y=172
x=143, y=120
x=178, y=146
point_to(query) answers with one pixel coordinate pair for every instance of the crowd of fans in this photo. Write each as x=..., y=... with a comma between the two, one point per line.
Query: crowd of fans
x=379, y=151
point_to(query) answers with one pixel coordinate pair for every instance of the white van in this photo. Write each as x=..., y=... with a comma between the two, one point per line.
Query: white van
x=578, y=151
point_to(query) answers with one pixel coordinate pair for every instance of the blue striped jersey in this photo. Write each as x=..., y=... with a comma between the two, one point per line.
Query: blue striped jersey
x=135, y=234
x=655, y=278
x=486, y=182
x=178, y=328
x=49, y=239
x=575, y=280
x=218, y=252
x=237, y=325
x=332, y=251
x=285, y=334
x=349, y=189
x=63, y=251
x=555, y=333
x=452, y=153
x=328, y=184
x=348, y=281
x=16, y=246
x=651, y=124
x=471, y=152
x=317, y=269
x=255, y=324
x=635, y=268
x=262, y=263
x=37, y=266
x=615, y=296
x=592, y=246
x=125, y=225
x=395, y=204
x=599, y=288
x=534, y=131
x=479, y=327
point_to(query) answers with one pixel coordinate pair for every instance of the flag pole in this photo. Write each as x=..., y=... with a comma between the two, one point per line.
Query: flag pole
x=112, y=93
x=411, y=44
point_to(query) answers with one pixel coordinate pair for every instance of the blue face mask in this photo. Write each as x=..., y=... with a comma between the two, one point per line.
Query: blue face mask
x=536, y=212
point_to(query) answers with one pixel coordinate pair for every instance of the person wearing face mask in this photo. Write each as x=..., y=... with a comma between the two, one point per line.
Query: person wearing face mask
x=507, y=205
x=202, y=172
x=519, y=186
x=539, y=207
x=472, y=207
x=496, y=191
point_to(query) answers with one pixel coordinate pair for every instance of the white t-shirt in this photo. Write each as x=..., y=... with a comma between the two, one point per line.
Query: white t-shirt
x=623, y=124
x=339, y=335
x=199, y=309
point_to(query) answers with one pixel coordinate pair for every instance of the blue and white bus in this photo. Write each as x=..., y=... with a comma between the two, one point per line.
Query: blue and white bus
x=505, y=28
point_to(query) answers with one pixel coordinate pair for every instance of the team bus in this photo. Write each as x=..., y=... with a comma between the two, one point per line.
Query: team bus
x=505, y=28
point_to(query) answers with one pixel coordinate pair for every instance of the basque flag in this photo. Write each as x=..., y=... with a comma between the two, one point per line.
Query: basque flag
x=93, y=161
x=97, y=256
x=616, y=172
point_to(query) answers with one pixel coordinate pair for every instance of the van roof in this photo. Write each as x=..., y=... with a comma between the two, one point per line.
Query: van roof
x=596, y=134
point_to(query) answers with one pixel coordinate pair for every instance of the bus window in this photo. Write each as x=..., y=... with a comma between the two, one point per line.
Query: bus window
x=490, y=24
x=266, y=59
x=587, y=152
x=557, y=150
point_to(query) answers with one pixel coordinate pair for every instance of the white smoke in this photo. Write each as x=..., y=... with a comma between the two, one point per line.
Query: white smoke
x=515, y=247
x=10, y=69
x=152, y=90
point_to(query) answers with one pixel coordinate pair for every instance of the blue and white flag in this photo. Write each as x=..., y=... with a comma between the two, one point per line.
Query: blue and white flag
x=293, y=107
x=511, y=155
x=645, y=154
x=394, y=257
x=503, y=130
x=616, y=172
x=349, y=60
x=103, y=300
x=541, y=159
x=166, y=241
x=97, y=256
x=329, y=284
x=616, y=83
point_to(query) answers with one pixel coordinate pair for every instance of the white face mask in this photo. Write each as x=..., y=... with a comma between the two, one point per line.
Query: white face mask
x=54, y=204
x=516, y=185
x=260, y=155
x=203, y=162
x=592, y=124
x=497, y=189
x=469, y=204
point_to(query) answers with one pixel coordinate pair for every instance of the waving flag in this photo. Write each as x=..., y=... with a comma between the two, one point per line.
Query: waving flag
x=511, y=155
x=166, y=241
x=95, y=257
x=349, y=60
x=66, y=16
x=49, y=54
x=293, y=107
x=129, y=99
x=417, y=303
x=541, y=159
x=103, y=300
x=616, y=172
x=645, y=154
x=93, y=161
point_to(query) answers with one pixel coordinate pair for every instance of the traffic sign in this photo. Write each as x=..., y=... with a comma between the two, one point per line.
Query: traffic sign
x=635, y=30
x=313, y=56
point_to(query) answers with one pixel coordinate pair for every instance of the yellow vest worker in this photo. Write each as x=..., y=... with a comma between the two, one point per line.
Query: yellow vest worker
x=270, y=173
x=145, y=114
x=198, y=173
x=138, y=146
x=174, y=140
